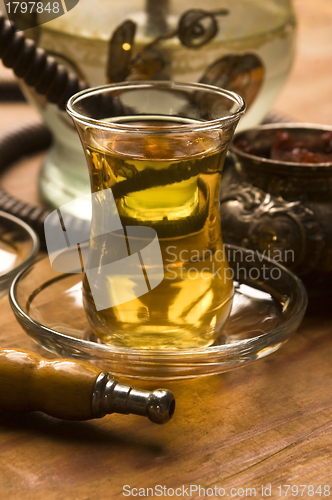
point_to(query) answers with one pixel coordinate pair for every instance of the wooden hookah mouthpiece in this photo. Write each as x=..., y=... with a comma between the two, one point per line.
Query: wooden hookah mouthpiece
x=73, y=390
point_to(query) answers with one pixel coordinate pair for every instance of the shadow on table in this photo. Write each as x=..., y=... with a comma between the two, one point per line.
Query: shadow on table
x=37, y=424
x=319, y=296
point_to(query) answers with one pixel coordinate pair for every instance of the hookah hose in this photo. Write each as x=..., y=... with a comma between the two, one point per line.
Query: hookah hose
x=35, y=67
x=17, y=142
x=47, y=77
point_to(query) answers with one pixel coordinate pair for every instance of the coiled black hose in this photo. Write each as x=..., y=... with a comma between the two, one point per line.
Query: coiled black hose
x=47, y=77
x=17, y=142
x=35, y=67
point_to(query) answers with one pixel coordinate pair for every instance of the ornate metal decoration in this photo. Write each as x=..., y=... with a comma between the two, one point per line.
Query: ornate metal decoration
x=286, y=231
x=240, y=73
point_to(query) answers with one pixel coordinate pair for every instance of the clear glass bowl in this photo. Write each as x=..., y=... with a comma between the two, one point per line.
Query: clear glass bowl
x=269, y=304
x=19, y=246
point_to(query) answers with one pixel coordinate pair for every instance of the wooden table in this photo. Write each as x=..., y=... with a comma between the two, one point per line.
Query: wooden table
x=268, y=423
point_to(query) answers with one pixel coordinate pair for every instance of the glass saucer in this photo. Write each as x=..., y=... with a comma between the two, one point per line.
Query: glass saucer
x=269, y=304
x=19, y=246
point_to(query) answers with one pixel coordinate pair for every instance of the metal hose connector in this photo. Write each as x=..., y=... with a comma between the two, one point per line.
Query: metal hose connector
x=35, y=67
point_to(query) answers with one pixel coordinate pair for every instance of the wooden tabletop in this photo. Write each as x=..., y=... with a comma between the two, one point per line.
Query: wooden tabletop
x=267, y=424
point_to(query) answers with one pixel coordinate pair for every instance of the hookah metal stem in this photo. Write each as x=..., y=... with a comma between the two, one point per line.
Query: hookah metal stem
x=73, y=390
x=156, y=17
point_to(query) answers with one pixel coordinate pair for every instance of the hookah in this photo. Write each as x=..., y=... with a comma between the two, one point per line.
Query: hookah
x=42, y=72
x=156, y=49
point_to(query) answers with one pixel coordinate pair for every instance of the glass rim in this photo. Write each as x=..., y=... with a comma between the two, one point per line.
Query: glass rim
x=24, y=229
x=164, y=84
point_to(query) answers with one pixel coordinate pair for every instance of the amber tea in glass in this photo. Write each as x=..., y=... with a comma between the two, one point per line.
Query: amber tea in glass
x=157, y=278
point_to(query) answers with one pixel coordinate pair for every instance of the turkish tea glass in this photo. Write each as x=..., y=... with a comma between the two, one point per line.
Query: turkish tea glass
x=156, y=275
